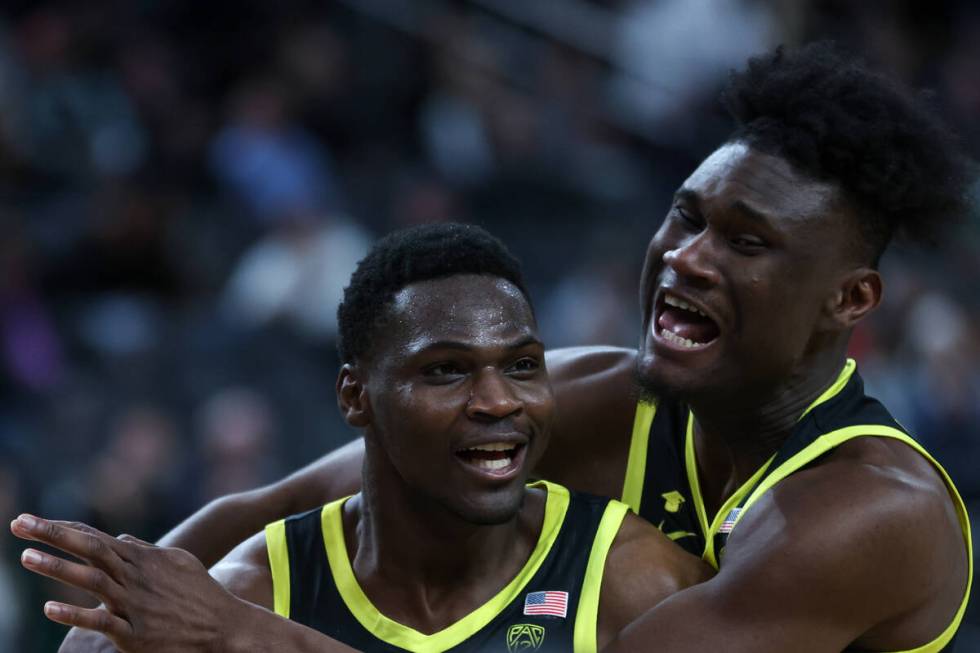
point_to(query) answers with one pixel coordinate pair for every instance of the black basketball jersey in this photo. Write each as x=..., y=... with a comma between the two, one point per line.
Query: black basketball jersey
x=550, y=605
x=662, y=483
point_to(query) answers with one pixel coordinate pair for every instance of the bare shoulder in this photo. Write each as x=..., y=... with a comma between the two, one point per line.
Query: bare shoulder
x=872, y=523
x=643, y=568
x=583, y=369
x=245, y=571
x=595, y=403
x=873, y=486
x=332, y=476
x=641, y=548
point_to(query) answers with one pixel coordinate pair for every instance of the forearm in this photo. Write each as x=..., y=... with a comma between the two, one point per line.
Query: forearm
x=214, y=530
x=268, y=632
x=218, y=527
x=700, y=618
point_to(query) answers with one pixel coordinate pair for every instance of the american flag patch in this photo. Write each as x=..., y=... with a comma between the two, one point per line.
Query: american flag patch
x=550, y=603
x=729, y=523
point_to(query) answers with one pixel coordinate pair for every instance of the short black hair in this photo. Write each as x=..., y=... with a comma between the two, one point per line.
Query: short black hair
x=408, y=256
x=832, y=118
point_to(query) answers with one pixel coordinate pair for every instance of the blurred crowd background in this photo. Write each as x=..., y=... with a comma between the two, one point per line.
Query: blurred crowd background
x=186, y=186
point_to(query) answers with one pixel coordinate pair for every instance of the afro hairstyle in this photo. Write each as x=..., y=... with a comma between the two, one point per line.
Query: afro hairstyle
x=408, y=256
x=835, y=120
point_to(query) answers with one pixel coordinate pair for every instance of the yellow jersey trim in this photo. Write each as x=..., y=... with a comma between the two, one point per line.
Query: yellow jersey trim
x=845, y=375
x=828, y=441
x=691, y=467
x=709, y=554
x=710, y=530
x=636, y=464
x=587, y=617
x=275, y=544
x=396, y=634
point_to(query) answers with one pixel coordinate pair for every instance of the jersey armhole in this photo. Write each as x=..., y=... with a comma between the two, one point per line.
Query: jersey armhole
x=587, y=617
x=275, y=543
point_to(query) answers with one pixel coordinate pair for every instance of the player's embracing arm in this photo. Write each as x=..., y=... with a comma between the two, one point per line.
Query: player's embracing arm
x=642, y=569
x=841, y=555
x=212, y=531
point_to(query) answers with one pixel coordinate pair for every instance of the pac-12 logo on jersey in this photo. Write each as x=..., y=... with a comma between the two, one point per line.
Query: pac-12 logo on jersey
x=524, y=637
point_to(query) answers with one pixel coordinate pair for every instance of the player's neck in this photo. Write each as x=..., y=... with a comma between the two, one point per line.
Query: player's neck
x=734, y=438
x=420, y=541
x=427, y=567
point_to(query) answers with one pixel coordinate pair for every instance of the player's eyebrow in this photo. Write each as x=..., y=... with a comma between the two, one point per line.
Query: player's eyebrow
x=751, y=212
x=458, y=345
x=687, y=194
x=741, y=206
x=526, y=341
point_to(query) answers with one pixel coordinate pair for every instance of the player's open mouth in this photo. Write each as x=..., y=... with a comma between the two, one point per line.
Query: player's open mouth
x=681, y=324
x=497, y=459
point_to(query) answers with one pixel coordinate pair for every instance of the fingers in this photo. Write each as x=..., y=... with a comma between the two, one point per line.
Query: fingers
x=80, y=540
x=90, y=579
x=96, y=619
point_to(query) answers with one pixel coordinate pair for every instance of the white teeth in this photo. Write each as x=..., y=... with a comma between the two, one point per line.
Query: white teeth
x=670, y=300
x=670, y=336
x=492, y=446
x=493, y=464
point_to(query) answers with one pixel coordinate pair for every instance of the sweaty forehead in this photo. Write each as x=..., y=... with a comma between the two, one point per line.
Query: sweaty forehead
x=736, y=172
x=468, y=309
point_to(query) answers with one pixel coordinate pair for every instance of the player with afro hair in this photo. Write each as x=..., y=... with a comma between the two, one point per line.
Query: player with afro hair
x=836, y=120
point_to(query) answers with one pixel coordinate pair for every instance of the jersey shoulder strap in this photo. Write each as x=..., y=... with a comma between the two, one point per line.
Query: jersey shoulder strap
x=657, y=486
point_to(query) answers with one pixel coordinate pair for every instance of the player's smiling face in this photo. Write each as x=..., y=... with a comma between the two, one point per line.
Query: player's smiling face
x=460, y=399
x=736, y=277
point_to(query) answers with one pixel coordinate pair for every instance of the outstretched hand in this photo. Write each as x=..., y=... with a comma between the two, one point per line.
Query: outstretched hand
x=153, y=598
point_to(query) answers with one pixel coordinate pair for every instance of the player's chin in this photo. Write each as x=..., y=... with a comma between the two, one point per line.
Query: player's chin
x=495, y=507
x=666, y=376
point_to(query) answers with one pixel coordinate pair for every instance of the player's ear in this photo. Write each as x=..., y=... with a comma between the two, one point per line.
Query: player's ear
x=352, y=397
x=857, y=294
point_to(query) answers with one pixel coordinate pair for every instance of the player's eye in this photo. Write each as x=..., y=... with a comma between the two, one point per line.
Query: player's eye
x=524, y=366
x=748, y=244
x=443, y=371
x=689, y=219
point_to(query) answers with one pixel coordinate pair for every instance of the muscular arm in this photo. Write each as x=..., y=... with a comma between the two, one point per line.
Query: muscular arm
x=846, y=554
x=212, y=531
x=643, y=568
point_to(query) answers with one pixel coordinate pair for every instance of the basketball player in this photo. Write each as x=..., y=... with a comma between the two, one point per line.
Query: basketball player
x=446, y=547
x=753, y=444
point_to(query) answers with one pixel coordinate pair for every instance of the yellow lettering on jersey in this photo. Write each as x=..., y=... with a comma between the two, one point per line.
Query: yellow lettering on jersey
x=524, y=637
x=676, y=535
x=672, y=500
x=673, y=535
